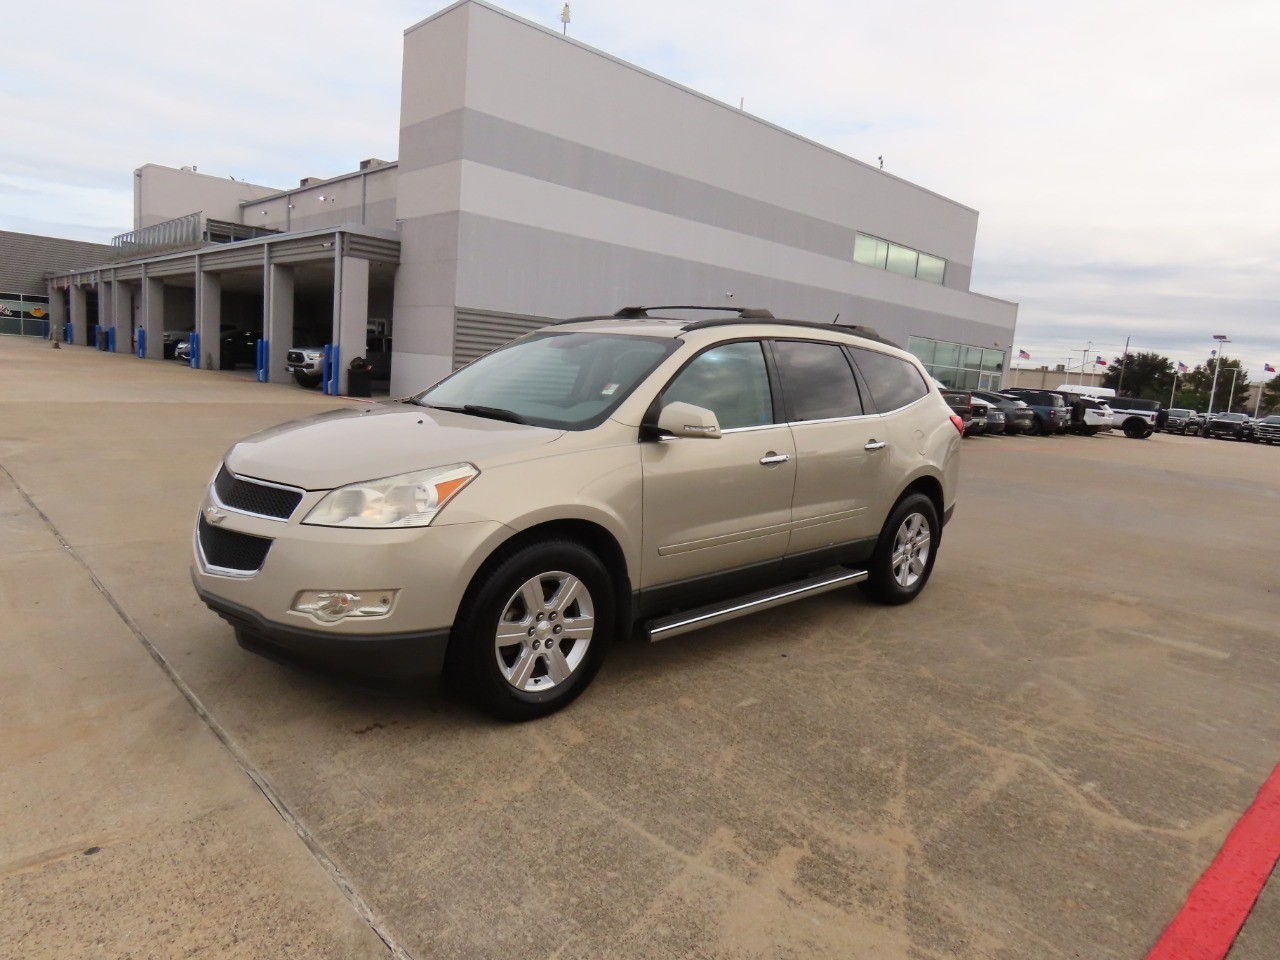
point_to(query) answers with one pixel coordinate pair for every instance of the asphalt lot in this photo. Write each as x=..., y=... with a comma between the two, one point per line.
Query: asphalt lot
x=1037, y=758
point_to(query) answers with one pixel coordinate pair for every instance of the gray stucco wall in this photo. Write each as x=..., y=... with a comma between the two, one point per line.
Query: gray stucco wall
x=539, y=176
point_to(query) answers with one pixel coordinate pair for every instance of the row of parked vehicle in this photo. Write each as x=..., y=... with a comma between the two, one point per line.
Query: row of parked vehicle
x=1067, y=410
x=1223, y=426
x=1045, y=412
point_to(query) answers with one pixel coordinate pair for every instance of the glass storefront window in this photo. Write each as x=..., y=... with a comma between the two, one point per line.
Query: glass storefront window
x=947, y=354
x=959, y=365
x=923, y=348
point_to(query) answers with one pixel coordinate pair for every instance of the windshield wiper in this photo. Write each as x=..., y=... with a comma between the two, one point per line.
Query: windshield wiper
x=476, y=410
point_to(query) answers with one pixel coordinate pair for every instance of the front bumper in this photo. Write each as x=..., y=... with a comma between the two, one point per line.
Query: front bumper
x=429, y=568
x=399, y=656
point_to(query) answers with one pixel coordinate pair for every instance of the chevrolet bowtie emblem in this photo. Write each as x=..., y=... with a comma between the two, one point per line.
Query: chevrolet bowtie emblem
x=214, y=515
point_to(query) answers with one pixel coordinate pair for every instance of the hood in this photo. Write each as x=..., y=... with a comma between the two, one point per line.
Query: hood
x=347, y=446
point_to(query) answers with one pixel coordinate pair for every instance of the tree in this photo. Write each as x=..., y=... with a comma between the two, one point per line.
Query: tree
x=1196, y=387
x=1146, y=375
x=1271, y=395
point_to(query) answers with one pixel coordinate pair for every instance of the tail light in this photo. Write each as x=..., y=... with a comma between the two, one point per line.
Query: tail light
x=958, y=423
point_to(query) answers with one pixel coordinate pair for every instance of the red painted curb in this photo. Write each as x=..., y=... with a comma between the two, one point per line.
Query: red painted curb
x=1219, y=903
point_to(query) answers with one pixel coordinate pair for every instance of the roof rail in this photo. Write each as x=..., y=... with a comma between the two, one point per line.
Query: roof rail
x=746, y=313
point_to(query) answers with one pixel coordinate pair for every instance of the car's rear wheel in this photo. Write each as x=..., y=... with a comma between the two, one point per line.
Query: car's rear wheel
x=905, y=552
x=1136, y=429
x=534, y=630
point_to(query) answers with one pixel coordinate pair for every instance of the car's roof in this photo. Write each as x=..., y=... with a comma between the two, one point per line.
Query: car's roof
x=664, y=322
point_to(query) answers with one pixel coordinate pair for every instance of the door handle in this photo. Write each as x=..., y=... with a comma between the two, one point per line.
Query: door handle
x=772, y=457
x=874, y=445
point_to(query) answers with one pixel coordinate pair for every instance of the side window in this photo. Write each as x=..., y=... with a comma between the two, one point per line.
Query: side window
x=817, y=380
x=731, y=381
x=893, y=382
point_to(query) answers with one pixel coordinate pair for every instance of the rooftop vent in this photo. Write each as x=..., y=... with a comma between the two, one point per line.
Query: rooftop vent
x=371, y=163
x=308, y=181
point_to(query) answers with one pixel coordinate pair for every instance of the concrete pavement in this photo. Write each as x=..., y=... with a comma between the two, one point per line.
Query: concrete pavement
x=1037, y=758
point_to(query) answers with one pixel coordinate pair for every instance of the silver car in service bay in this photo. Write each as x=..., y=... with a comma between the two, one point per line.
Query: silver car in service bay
x=641, y=473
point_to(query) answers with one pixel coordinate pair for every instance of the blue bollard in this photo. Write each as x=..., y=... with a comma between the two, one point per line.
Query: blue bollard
x=142, y=343
x=194, y=359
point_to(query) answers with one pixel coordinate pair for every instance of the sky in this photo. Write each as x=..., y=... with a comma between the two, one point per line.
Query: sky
x=1124, y=157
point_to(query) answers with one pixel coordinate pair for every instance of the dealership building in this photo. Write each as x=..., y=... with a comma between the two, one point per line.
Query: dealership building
x=537, y=179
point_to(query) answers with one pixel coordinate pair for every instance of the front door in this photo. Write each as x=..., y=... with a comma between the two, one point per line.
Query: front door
x=715, y=505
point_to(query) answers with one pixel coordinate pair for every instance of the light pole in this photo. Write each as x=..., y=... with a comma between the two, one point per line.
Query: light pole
x=1217, y=365
x=1232, y=394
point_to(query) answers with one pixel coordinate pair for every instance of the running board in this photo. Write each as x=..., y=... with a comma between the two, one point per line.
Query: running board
x=707, y=616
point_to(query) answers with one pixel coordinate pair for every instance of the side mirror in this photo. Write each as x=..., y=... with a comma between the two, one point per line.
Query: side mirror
x=686, y=420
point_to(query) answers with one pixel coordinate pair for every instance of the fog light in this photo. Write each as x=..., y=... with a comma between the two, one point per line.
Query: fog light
x=330, y=606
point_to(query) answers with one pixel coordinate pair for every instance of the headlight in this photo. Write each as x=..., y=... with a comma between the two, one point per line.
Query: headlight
x=314, y=354
x=409, y=500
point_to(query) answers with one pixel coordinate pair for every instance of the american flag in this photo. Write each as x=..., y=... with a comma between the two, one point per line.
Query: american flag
x=1182, y=367
x=1023, y=355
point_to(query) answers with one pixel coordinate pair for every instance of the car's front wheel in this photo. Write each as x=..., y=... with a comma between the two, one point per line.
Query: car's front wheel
x=534, y=631
x=905, y=552
x=308, y=380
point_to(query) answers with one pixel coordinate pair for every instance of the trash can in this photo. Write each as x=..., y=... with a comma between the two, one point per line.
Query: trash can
x=360, y=378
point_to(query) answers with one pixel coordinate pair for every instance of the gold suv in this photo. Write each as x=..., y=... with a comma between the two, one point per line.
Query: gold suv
x=603, y=476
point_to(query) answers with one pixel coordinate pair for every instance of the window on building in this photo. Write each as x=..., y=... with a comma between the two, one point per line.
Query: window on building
x=959, y=365
x=894, y=257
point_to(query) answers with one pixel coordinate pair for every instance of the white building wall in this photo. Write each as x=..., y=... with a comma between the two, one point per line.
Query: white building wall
x=163, y=193
x=541, y=177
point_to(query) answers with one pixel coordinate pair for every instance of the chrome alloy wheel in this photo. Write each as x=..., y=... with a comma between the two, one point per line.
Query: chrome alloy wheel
x=911, y=550
x=544, y=631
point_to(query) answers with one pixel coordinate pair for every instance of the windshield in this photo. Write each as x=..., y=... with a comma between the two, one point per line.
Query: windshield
x=1231, y=416
x=569, y=381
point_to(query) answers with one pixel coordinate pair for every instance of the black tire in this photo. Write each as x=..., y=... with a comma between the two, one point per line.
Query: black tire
x=1090, y=431
x=896, y=577
x=517, y=680
x=1042, y=426
x=308, y=380
x=1136, y=429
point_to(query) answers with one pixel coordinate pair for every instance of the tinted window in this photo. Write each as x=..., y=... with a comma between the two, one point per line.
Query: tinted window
x=1129, y=403
x=817, y=380
x=893, y=382
x=731, y=381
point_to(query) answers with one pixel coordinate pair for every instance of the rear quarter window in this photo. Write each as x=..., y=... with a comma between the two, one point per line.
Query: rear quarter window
x=893, y=382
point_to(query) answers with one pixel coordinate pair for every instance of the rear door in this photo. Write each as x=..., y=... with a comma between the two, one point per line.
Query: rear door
x=840, y=448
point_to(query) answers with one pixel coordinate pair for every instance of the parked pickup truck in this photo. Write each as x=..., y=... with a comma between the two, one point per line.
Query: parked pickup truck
x=306, y=363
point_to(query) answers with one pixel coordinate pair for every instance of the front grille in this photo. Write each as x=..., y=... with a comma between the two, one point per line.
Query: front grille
x=231, y=550
x=252, y=497
x=295, y=356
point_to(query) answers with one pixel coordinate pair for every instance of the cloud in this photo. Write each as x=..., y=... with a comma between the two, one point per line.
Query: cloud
x=1121, y=155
